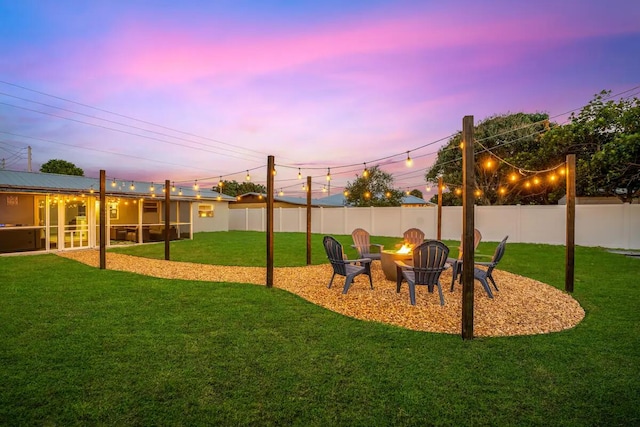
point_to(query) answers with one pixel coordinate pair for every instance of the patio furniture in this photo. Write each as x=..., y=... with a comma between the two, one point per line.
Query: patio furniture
x=456, y=263
x=362, y=243
x=482, y=275
x=413, y=237
x=429, y=261
x=349, y=268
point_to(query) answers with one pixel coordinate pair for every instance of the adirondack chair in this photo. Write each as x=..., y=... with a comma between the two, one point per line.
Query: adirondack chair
x=349, y=268
x=429, y=261
x=484, y=275
x=456, y=263
x=413, y=237
x=362, y=243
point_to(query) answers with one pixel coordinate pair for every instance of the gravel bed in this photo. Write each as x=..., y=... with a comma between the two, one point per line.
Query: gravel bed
x=522, y=307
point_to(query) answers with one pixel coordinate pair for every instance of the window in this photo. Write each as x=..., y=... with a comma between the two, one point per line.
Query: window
x=205, y=211
x=150, y=207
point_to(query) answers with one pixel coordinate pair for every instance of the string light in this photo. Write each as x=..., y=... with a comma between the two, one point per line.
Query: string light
x=91, y=190
x=274, y=172
x=328, y=174
x=248, y=176
x=113, y=183
x=409, y=161
x=195, y=185
x=173, y=187
x=324, y=188
x=488, y=164
x=388, y=194
x=299, y=174
x=346, y=193
x=220, y=183
x=367, y=194
x=281, y=193
x=180, y=192
x=132, y=187
x=152, y=188
x=198, y=195
x=365, y=172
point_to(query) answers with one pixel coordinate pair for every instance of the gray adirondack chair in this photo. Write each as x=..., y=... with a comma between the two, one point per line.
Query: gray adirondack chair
x=484, y=275
x=429, y=261
x=349, y=268
x=362, y=243
x=456, y=263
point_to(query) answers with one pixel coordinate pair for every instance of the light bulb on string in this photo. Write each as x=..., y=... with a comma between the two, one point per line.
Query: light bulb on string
x=328, y=174
x=152, y=188
x=132, y=187
x=324, y=188
x=365, y=172
x=173, y=187
x=113, y=183
x=248, y=176
x=281, y=193
x=180, y=192
x=220, y=183
x=274, y=172
x=299, y=174
x=195, y=185
x=346, y=193
x=409, y=161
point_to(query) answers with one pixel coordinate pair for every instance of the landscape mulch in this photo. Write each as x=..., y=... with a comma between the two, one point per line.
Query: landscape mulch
x=523, y=306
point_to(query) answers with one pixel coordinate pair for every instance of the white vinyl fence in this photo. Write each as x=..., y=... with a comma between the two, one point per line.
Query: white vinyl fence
x=610, y=226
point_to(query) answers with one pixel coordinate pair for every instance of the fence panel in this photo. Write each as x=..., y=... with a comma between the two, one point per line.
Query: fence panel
x=611, y=226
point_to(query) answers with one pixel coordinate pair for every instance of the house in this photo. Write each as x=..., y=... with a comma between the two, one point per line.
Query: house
x=49, y=212
x=339, y=200
x=258, y=200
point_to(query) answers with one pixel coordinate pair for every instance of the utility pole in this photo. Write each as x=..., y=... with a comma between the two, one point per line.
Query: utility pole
x=28, y=159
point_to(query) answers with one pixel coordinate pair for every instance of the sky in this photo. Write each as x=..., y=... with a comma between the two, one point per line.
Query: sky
x=203, y=90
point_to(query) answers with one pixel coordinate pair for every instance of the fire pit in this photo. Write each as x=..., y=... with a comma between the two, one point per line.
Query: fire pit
x=388, y=260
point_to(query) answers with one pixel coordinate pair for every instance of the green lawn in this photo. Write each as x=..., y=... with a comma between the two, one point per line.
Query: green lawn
x=82, y=346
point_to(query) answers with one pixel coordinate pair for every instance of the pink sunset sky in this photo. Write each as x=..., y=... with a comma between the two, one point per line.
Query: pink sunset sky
x=156, y=90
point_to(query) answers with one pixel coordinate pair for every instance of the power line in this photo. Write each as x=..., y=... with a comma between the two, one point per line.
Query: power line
x=128, y=117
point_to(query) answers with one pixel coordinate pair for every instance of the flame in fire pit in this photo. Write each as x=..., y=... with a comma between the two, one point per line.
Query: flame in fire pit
x=405, y=249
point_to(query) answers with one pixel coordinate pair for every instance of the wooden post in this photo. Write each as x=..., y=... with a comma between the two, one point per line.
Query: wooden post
x=571, y=223
x=308, y=220
x=103, y=220
x=270, y=172
x=468, y=187
x=440, y=183
x=167, y=219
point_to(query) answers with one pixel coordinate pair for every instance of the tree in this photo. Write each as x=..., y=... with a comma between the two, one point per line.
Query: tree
x=374, y=189
x=234, y=188
x=416, y=193
x=605, y=137
x=61, y=167
x=506, y=147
